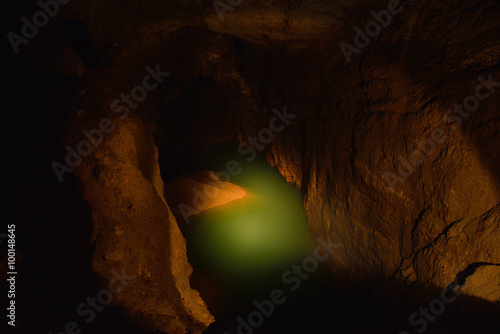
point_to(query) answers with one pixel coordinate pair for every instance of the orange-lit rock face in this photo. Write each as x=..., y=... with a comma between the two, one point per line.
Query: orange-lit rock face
x=191, y=194
x=135, y=231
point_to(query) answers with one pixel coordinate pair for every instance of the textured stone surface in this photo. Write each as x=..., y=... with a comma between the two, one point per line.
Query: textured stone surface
x=135, y=231
x=191, y=194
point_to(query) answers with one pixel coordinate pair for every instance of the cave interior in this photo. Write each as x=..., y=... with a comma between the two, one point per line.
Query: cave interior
x=253, y=167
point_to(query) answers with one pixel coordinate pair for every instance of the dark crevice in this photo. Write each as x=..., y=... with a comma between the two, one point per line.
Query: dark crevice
x=443, y=233
x=470, y=270
x=415, y=228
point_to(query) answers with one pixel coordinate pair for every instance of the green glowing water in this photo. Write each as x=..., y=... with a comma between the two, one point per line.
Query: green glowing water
x=250, y=242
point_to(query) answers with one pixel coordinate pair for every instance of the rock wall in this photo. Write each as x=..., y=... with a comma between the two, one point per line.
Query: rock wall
x=135, y=233
x=362, y=116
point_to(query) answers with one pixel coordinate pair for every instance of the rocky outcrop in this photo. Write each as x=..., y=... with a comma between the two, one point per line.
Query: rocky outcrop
x=192, y=194
x=136, y=233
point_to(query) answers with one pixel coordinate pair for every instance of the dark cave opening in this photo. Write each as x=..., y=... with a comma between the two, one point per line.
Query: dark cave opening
x=244, y=228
